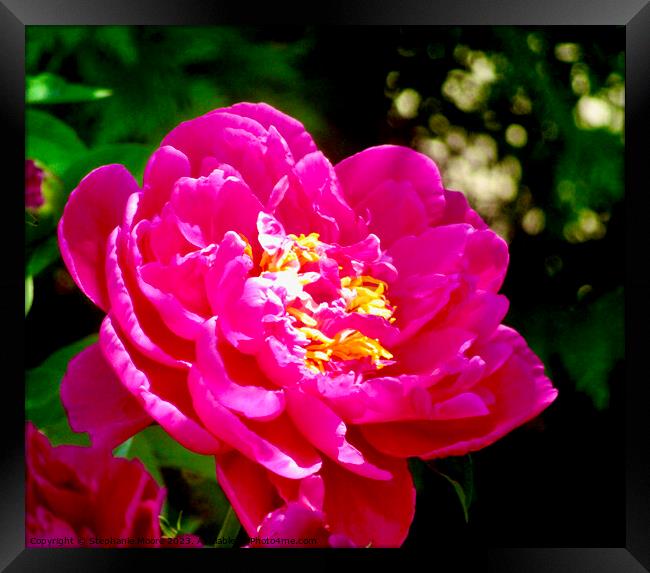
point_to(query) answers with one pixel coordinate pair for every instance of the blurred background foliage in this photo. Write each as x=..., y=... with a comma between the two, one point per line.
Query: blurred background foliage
x=527, y=122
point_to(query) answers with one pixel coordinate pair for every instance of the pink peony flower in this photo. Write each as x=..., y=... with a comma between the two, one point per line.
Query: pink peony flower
x=83, y=497
x=305, y=324
x=33, y=184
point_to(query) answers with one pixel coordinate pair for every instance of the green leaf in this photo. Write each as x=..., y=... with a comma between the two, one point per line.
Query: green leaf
x=29, y=293
x=50, y=89
x=229, y=530
x=459, y=472
x=43, y=255
x=42, y=399
x=417, y=468
x=156, y=449
x=51, y=141
x=132, y=155
x=591, y=344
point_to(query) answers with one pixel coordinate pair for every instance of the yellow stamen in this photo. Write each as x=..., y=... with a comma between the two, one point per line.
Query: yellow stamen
x=302, y=251
x=347, y=344
x=247, y=249
x=368, y=297
x=302, y=316
x=305, y=247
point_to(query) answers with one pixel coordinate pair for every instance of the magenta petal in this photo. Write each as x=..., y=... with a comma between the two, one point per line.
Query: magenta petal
x=209, y=207
x=487, y=258
x=166, y=166
x=304, y=525
x=370, y=512
x=123, y=307
x=224, y=281
x=145, y=381
x=284, y=453
x=392, y=182
x=93, y=210
x=249, y=490
x=96, y=401
x=292, y=131
x=457, y=210
x=514, y=393
x=325, y=430
x=465, y=405
x=249, y=400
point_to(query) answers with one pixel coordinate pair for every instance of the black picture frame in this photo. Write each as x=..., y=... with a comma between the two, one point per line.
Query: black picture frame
x=633, y=14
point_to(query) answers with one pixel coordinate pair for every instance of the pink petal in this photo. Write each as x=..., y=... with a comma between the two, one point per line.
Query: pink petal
x=457, y=210
x=514, y=393
x=135, y=315
x=93, y=210
x=400, y=189
x=292, y=131
x=369, y=512
x=249, y=400
x=162, y=391
x=225, y=280
x=487, y=258
x=209, y=207
x=248, y=489
x=294, y=521
x=211, y=135
x=325, y=430
x=274, y=444
x=96, y=401
x=166, y=166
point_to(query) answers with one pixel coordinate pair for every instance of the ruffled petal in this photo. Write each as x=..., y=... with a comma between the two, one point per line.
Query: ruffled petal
x=398, y=189
x=165, y=166
x=325, y=430
x=369, y=512
x=514, y=393
x=93, y=210
x=162, y=391
x=248, y=488
x=96, y=401
x=248, y=399
x=274, y=444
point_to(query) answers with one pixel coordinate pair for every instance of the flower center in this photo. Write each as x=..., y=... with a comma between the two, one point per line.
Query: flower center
x=362, y=294
x=301, y=251
x=368, y=297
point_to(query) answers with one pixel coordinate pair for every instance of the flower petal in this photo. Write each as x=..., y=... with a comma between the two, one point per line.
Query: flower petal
x=96, y=401
x=325, y=430
x=162, y=391
x=514, y=393
x=369, y=512
x=399, y=188
x=93, y=210
x=274, y=444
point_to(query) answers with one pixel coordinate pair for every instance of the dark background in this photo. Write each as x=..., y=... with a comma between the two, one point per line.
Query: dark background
x=558, y=481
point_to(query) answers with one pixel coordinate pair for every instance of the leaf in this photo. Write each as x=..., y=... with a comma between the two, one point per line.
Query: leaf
x=459, y=472
x=157, y=449
x=139, y=447
x=591, y=344
x=42, y=398
x=49, y=88
x=229, y=530
x=43, y=255
x=133, y=156
x=29, y=293
x=51, y=141
x=417, y=468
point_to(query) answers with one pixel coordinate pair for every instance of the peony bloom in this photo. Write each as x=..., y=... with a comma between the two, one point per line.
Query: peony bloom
x=311, y=326
x=83, y=497
x=33, y=185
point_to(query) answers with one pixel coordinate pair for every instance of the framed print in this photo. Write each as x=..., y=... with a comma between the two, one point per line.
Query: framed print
x=364, y=286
